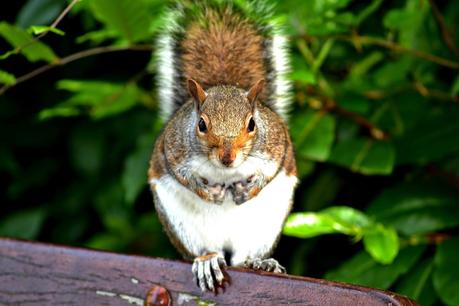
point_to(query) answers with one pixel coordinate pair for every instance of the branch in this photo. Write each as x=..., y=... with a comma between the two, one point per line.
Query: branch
x=445, y=31
x=74, y=57
x=374, y=131
x=52, y=26
x=35, y=273
x=329, y=105
x=358, y=40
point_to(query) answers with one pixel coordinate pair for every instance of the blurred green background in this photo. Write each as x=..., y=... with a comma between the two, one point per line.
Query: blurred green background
x=375, y=125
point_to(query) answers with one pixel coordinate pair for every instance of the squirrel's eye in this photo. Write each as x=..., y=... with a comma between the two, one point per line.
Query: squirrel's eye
x=202, y=125
x=251, y=125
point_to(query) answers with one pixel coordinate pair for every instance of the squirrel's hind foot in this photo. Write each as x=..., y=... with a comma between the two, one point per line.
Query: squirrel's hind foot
x=208, y=271
x=268, y=265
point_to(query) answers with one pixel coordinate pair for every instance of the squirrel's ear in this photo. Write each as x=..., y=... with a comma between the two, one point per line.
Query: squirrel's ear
x=255, y=90
x=196, y=91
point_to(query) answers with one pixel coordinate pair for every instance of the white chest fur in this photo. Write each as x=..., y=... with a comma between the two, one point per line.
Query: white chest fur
x=248, y=230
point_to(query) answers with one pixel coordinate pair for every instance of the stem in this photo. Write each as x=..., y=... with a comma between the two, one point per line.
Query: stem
x=73, y=57
x=53, y=25
x=375, y=132
x=367, y=40
x=445, y=31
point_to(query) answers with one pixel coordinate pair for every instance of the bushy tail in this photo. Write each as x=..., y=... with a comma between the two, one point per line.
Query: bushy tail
x=223, y=58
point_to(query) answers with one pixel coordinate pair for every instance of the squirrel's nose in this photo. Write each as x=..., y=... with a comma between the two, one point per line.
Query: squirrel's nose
x=227, y=160
x=227, y=156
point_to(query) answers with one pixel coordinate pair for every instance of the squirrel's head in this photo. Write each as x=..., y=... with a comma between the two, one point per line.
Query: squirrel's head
x=226, y=124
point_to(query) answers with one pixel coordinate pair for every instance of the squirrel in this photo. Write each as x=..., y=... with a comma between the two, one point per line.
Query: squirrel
x=223, y=170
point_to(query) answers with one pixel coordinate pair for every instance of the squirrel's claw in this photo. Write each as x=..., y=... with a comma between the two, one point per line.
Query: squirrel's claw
x=246, y=189
x=207, y=271
x=268, y=265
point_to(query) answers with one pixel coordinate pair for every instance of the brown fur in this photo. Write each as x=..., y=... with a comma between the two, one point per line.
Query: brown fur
x=157, y=162
x=224, y=49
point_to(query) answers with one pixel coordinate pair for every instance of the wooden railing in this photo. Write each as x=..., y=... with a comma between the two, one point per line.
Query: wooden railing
x=39, y=274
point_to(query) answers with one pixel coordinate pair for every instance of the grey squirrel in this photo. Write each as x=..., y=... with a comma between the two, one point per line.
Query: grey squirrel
x=223, y=171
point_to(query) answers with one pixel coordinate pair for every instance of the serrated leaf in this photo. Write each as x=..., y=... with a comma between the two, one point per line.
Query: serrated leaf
x=365, y=156
x=382, y=243
x=24, y=42
x=445, y=277
x=313, y=134
x=7, y=78
x=364, y=270
x=129, y=18
x=417, y=284
x=24, y=224
x=416, y=208
x=39, y=29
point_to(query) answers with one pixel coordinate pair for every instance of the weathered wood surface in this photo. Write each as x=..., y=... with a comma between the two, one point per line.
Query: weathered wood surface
x=39, y=274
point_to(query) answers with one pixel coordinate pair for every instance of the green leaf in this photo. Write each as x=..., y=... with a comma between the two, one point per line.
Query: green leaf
x=399, y=19
x=129, y=18
x=313, y=134
x=368, y=11
x=429, y=140
x=339, y=219
x=59, y=111
x=416, y=208
x=455, y=87
x=99, y=98
x=364, y=270
x=24, y=43
x=365, y=156
x=7, y=78
x=134, y=177
x=361, y=68
x=106, y=241
x=304, y=167
x=354, y=103
x=87, y=148
x=382, y=243
x=445, y=277
x=393, y=73
x=417, y=284
x=39, y=12
x=321, y=192
x=39, y=29
x=24, y=224
x=306, y=225
x=409, y=22
x=97, y=37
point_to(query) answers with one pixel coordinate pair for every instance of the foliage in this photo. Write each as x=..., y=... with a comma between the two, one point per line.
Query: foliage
x=374, y=126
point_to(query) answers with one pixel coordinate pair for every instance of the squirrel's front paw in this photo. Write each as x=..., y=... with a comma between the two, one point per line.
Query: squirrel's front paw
x=246, y=189
x=207, y=271
x=268, y=265
x=211, y=193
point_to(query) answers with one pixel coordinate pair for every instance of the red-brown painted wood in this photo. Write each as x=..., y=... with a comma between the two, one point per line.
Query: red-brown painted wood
x=39, y=274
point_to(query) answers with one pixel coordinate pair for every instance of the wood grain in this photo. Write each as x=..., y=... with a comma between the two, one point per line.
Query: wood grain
x=39, y=274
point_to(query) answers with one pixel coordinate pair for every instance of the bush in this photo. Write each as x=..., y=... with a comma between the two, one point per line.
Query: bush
x=375, y=127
